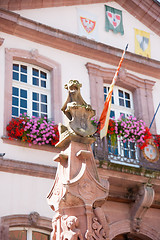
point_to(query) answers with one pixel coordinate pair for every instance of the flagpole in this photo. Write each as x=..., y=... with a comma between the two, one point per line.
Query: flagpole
x=120, y=63
x=154, y=116
x=104, y=118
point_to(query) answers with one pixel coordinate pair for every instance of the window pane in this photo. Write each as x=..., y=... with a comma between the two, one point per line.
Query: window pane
x=23, y=103
x=112, y=98
x=39, y=236
x=16, y=67
x=23, y=78
x=35, y=106
x=128, y=104
x=43, y=98
x=44, y=108
x=112, y=114
x=15, y=91
x=22, y=111
x=35, y=96
x=43, y=84
x=35, y=81
x=23, y=69
x=18, y=235
x=105, y=90
x=121, y=102
x=15, y=101
x=43, y=75
x=35, y=72
x=127, y=96
x=36, y=114
x=15, y=111
x=133, y=155
x=120, y=93
x=16, y=76
x=122, y=115
x=43, y=115
x=126, y=153
x=23, y=93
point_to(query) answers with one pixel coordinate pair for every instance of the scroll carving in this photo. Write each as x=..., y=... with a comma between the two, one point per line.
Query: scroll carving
x=100, y=226
x=144, y=200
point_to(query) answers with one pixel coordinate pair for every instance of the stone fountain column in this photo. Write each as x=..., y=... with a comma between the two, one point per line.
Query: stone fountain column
x=77, y=193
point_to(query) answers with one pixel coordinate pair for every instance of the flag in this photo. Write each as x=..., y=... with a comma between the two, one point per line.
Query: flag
x=104, y=118
x=142, y=43
x=113, y=20
x=87, y=24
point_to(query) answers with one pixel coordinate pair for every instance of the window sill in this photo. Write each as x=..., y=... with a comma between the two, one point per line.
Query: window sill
x=19, y=143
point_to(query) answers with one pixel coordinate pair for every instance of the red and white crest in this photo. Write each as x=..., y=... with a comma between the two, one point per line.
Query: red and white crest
x=114, y=18
x=89, y=25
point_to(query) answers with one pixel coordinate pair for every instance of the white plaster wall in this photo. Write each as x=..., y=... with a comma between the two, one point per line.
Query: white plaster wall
x=22, y=194
x=65, y=18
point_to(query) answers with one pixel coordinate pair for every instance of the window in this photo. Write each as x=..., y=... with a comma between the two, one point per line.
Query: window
x=28, y=234
x=139, y=87
x=122, y=101
x=30, y=90
x=122, y=104
x=132, y=89
x=32, y=73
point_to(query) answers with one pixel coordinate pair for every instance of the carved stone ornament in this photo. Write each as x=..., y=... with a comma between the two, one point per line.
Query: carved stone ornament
x=87, y=189
x=78, y=112
x=70, y=228
x=100, y=226
x=33, y=218
x=144, y=200
x=34, y=53
x=98, y=232
x=55, y=219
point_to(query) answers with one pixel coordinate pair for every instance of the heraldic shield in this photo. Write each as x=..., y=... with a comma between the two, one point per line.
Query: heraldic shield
x=81, y=121
x=78, y=111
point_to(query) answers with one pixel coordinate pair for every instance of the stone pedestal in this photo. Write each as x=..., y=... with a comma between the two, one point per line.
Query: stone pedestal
x=78, y=193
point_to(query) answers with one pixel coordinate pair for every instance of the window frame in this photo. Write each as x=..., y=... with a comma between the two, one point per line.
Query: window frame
x=30, y=88
x=118, y=109
x=141, y=89
x=32, y=57
x=29, y=231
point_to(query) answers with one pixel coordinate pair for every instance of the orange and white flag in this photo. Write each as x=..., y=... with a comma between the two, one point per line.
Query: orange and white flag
x=104, y=118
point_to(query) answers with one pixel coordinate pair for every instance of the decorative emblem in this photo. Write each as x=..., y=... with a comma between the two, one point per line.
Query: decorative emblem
x=88, y=24
x=114, y=19
x=150, y=152
x=143, y=42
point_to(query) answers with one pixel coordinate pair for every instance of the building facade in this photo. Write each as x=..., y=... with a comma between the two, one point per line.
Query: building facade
x=44, y=44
